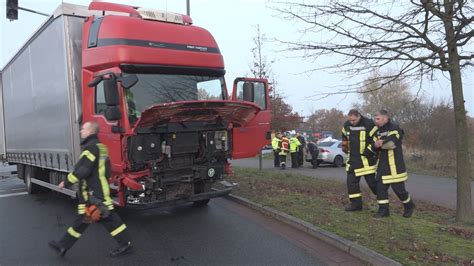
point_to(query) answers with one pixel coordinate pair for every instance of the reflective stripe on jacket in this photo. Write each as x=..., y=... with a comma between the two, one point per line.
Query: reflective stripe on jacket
x=359, y=138
x=391, y=165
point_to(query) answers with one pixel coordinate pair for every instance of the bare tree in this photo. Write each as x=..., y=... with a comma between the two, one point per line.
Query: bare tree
x=416, y=37
x=326, y=120
x=283, y=116
x=261, y=66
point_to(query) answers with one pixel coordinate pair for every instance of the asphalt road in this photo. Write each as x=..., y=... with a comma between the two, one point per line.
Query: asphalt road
x=222, y=233
x=438, y=190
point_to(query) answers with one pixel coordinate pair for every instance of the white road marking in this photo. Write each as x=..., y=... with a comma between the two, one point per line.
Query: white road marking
x=16, y=189
x=13, y=194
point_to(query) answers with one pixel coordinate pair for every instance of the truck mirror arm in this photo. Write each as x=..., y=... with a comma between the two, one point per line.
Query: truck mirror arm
x=96, y=81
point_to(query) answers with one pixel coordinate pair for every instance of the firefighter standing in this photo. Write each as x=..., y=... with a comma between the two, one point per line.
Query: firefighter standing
x=391, y=169
x=356, y=134
x=276, y=149
x=314, y=151
x=91, y=173
x=295, y=146
x=284, y=148
x=301, y=150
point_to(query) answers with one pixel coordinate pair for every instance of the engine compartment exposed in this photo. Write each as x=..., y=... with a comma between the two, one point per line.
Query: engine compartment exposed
x=179, y=164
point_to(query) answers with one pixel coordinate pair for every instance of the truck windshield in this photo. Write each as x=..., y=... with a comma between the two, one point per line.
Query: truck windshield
x=154, y=89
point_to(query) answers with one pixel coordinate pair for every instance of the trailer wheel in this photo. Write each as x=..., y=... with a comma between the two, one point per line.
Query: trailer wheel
x=30, y=186
x=200, y=203
x=20, y=171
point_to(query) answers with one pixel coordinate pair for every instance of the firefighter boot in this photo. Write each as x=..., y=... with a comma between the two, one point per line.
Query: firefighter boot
x=58, y=248
x=409, y=207
x=383, y=211
x=122, y=250
x=356, y=205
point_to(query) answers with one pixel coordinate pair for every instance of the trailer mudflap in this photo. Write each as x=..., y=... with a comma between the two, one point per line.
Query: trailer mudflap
x=196, y=197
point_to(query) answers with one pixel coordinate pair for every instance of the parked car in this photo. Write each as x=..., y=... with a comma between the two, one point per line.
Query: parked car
x=330, y=151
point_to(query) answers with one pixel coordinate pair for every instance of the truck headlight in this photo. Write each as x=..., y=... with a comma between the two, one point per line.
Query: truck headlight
x=220, y=139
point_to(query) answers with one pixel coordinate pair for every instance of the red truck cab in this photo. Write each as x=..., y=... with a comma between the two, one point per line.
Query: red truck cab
x=155, y=84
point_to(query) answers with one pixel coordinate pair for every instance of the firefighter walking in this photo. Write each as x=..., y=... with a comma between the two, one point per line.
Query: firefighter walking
x=91, y=173
x=276, y=149
x=356, y=134
x=391, y=171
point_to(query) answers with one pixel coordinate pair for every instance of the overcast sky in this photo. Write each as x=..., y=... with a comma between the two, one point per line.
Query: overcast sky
x=232, y=25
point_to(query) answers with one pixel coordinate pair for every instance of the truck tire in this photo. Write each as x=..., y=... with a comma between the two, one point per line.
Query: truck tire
x=20, y=171
x=338, y=161
x=31, y=187
x=201, y=202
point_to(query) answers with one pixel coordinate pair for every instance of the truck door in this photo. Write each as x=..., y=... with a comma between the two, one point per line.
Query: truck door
x=249, y=139
x=107, y=114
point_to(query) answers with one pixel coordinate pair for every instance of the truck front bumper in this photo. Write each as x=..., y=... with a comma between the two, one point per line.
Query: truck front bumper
x=172, y=203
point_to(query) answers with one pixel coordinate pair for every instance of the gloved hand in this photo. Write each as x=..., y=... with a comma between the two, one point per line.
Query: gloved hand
x=92, y=214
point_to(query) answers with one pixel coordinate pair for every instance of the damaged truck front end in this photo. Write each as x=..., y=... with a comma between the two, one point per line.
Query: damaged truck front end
x=180, y=151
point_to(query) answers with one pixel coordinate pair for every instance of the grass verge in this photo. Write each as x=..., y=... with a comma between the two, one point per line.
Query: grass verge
x=429, y=237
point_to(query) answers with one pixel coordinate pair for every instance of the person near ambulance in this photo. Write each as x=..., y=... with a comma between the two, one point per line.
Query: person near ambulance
x=276, y=149
x=391, y=171
x=91, y=173
x=357, y=133
x=295, y=145
x=284, y=149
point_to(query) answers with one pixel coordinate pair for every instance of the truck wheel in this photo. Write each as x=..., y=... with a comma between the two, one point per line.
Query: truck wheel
x=20, y=171
x=201, y=202
x=338, y=161
x=30, y=186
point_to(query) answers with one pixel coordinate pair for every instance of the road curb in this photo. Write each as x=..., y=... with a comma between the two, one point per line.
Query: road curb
x=343, y=244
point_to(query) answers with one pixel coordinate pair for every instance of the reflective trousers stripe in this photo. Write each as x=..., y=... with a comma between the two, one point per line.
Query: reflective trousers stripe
x=366, y=170
x=118, y=230
x=357, y=195
x=407, y=200
x=73, y=232
x=385, y=201
x=389, y=179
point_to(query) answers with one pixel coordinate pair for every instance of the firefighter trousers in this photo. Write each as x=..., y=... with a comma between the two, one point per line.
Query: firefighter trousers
x=276, y=158
x=314, y=159
x=398, y=188
x=282, y=161
x=114, y=225
x=353, y=186
x=294, y=160
x=301, y=157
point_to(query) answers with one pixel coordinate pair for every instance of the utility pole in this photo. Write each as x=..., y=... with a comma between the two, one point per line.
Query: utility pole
x=188, y=8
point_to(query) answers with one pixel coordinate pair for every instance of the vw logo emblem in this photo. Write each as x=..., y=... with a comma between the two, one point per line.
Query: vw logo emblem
x=211, y=172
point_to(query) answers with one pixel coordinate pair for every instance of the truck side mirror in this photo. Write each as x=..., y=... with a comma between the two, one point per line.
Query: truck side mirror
x=111, y=92
x=248, y=92
x=112, y=113
x=128, y=80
